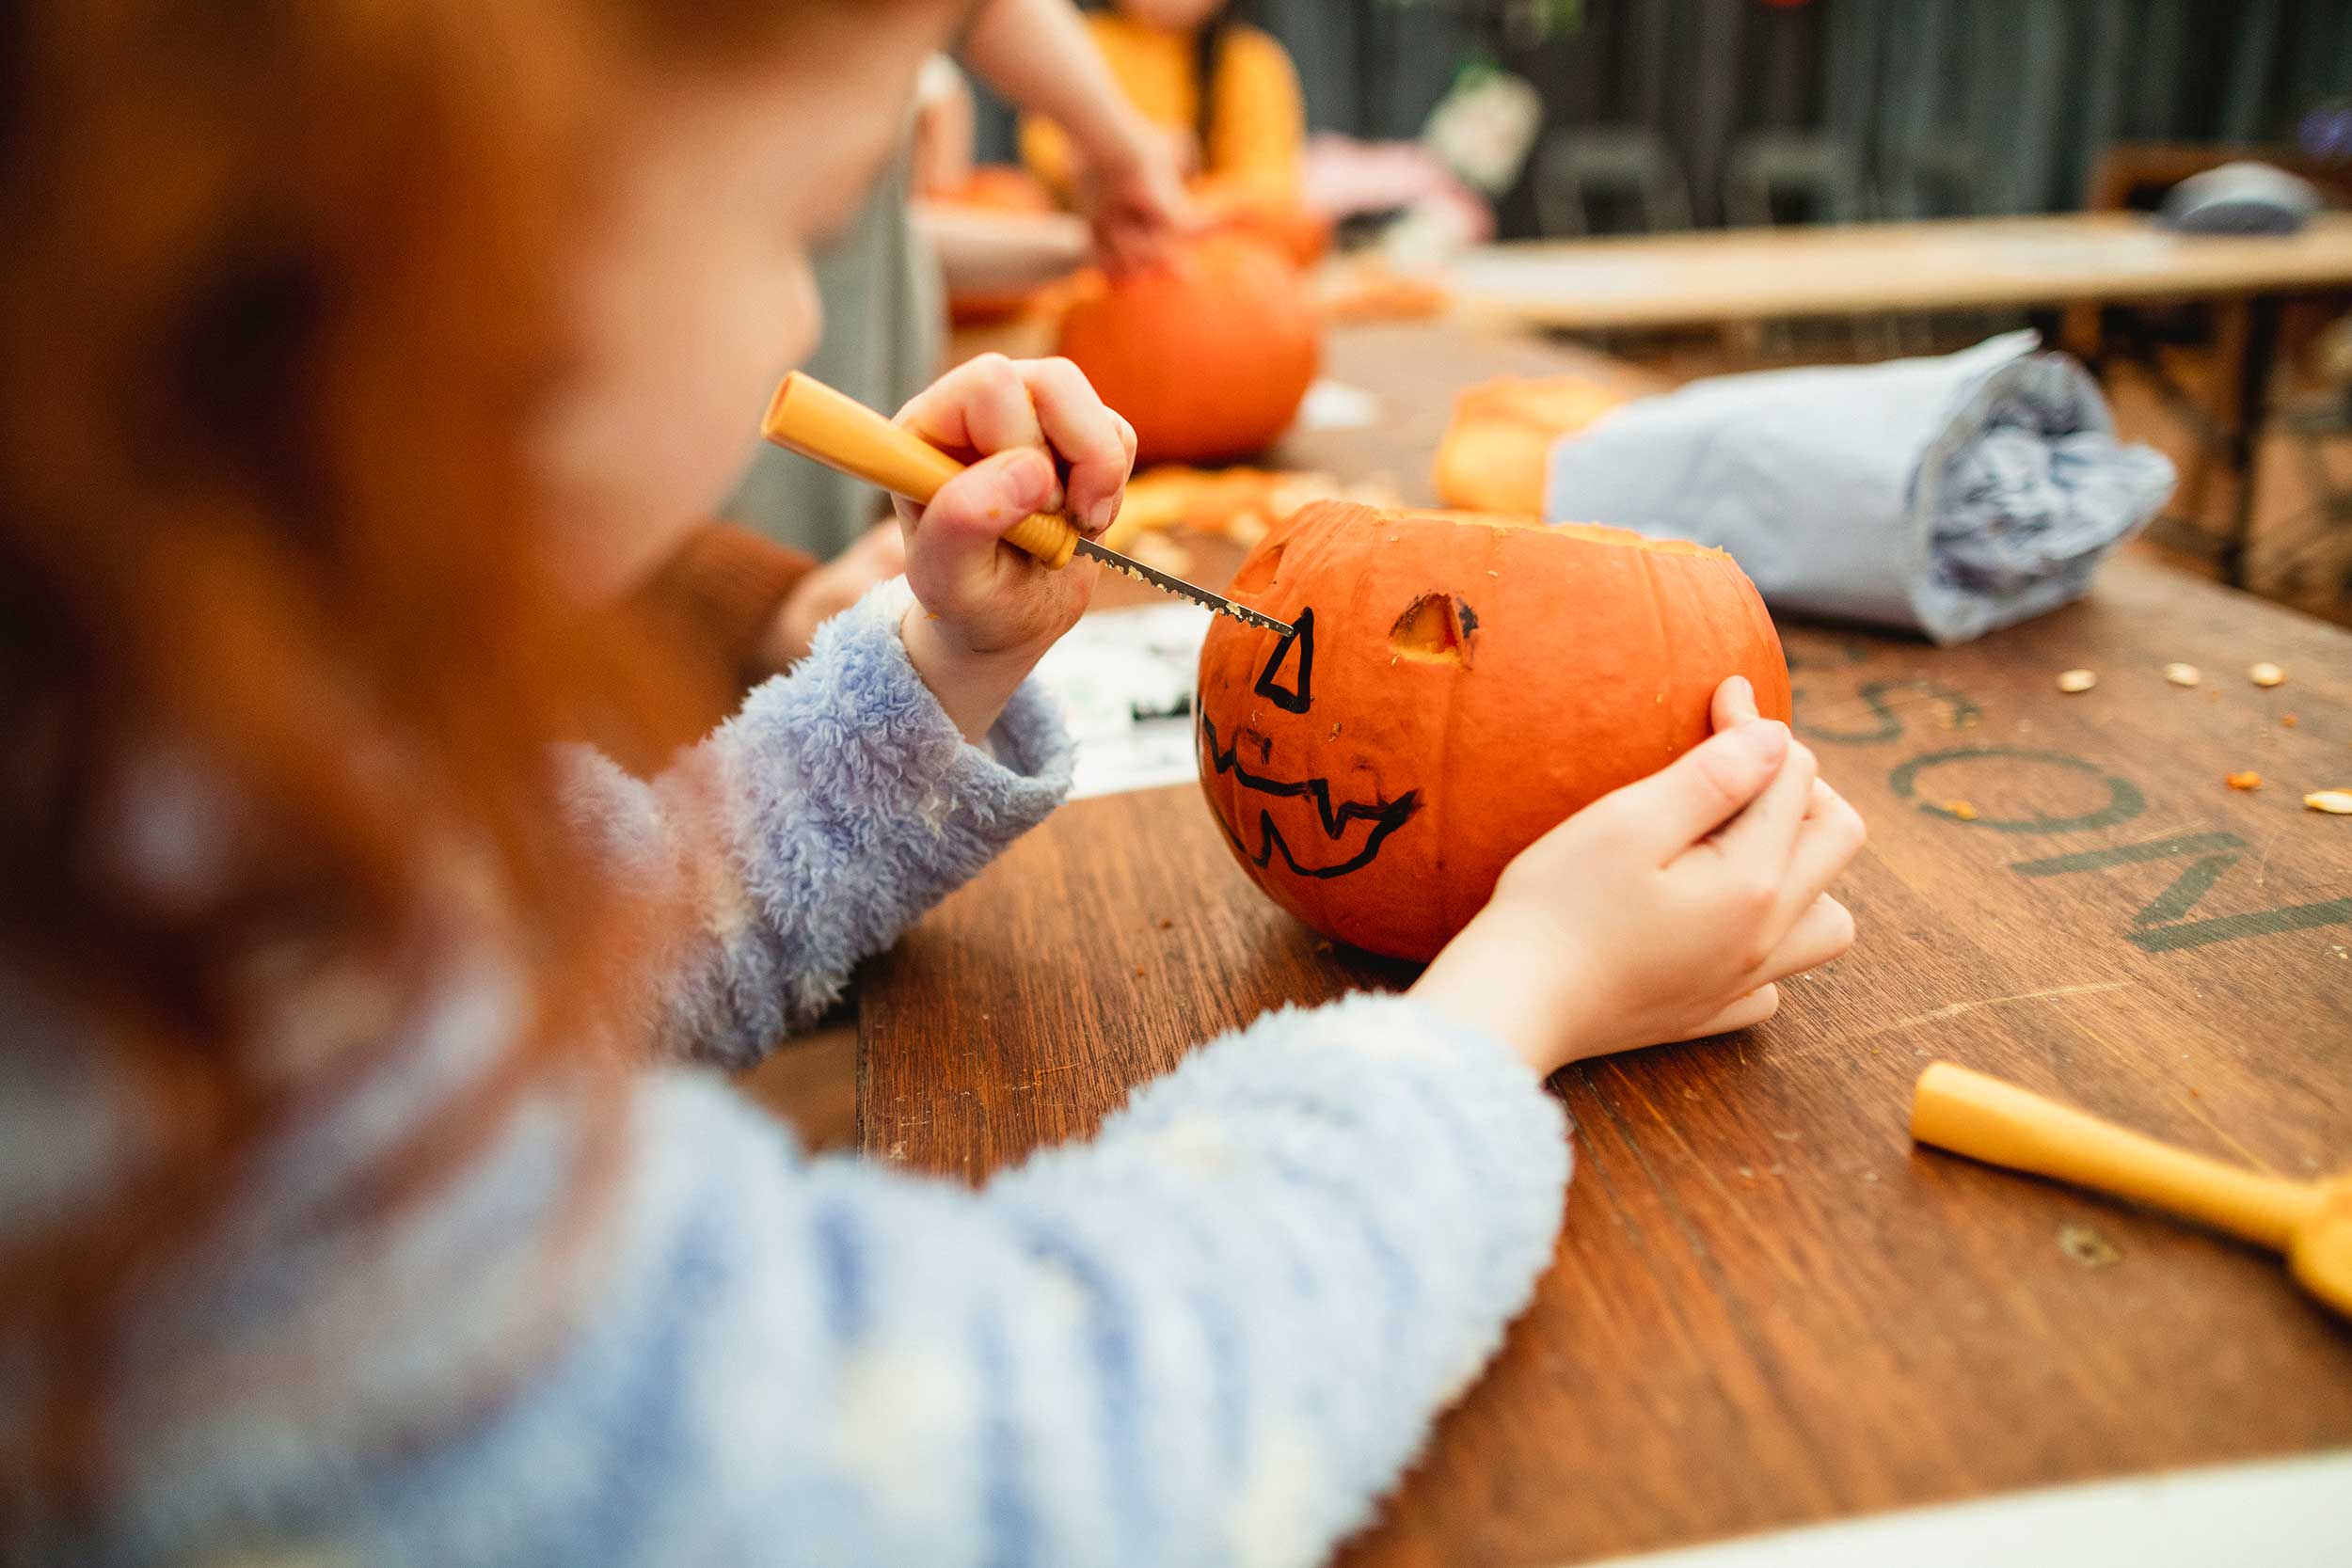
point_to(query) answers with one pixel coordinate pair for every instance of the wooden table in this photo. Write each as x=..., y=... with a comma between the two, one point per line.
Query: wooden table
x=1767, y=1307
x=1959, y=263
x=1741, y=275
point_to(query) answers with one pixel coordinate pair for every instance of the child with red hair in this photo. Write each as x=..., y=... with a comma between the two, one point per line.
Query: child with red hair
x=362, y=1197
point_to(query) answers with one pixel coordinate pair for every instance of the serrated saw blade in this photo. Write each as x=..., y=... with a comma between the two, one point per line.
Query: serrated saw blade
x=1179, y=587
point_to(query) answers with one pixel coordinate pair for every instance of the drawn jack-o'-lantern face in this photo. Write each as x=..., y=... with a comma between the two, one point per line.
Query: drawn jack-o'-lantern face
x=1455, y=686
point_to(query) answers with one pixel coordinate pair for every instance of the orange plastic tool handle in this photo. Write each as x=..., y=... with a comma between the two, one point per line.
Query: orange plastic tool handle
x=837, y=430
x=2001, y=1124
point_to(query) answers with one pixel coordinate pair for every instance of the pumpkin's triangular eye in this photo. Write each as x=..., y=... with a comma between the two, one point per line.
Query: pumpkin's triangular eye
x=1293, y=661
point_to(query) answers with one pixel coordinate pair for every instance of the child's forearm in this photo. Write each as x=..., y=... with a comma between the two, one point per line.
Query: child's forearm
x=972, y=689
x=837, y=806
x=1037, y=55
x=1214, y=1336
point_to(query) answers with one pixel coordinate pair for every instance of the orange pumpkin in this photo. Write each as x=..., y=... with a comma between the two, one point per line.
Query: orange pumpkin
x=998, y=188
x=1493, y=454
x=1455, y=686
x=1274, y=217
x=1208, y=354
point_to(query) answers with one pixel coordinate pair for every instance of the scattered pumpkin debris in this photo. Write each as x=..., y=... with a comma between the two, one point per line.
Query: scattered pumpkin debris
x=2071, y=681
x=2286, y=720
x=2089, y=1245
x=1963, y=809
x=2248, y=779
x=2183, y=674
x=2266, y=673
x=1158, y=550
x=2335, y=802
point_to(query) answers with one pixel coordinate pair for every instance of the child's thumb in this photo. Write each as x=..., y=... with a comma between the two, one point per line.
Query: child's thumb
x=1710, y=784
x=972, y=510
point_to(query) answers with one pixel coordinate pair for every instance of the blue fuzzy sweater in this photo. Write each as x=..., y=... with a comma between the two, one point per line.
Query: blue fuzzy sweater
x=1213, y=1335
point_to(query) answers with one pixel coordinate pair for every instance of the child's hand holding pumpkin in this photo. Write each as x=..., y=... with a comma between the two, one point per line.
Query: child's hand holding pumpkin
x=1038, y=439
x=1666, y=910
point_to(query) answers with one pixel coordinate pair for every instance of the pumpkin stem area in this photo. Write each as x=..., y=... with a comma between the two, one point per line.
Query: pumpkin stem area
x=1435, y=629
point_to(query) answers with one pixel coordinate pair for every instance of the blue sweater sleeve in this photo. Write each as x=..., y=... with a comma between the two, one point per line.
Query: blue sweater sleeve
x=650, y=1332
x=1213, y=1335
x=814, y=826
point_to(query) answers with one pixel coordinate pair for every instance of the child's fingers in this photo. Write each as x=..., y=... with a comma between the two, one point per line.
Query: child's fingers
x=1825, y=932
x=1765, y=834
x=1746, y=1013
x=1699, y=790
x=1833, y=833
x=982, y=405
x=1681, y=803
x=1091, y=440
x=973, y=510
x=1734, y=704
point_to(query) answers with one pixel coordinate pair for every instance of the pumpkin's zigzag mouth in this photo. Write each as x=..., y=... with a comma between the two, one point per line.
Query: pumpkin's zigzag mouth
x=1335, y=819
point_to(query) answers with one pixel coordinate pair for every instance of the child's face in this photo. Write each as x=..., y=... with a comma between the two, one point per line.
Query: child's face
x=1173, y=16
x=693, y=297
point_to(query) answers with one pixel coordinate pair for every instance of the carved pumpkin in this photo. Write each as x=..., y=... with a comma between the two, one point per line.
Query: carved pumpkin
x=1456, y=686
x=1493, y=454
x=1207, y=355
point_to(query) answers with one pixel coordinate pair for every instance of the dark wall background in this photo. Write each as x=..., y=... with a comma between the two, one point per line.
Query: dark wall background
x=2020, y=93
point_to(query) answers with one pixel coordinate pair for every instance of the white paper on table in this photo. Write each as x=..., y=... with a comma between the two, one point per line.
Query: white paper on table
x=1124, y=681
x=1335, y=405
x=2281, y=1513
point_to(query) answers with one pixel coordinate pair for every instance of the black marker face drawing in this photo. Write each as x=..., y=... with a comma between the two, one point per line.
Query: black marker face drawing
x=1335, y=838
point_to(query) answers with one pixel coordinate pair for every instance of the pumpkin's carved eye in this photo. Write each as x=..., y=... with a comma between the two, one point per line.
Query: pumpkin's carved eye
x=1258, y=574
x=1294, y=658
x=1435, y=628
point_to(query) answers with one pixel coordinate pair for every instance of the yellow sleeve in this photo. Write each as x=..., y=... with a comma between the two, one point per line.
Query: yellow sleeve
x=1045, y=149
x=1258, y=132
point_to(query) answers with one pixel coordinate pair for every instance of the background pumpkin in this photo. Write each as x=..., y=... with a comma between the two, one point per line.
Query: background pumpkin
x=1493, y=453
x=1207, y=355
x=1283, y=222
x=1457, y=687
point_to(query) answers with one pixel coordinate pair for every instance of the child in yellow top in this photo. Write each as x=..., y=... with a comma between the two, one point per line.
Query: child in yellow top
x=1246, y=138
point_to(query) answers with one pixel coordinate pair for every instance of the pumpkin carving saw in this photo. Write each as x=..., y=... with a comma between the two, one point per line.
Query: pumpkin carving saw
x=1452, y=689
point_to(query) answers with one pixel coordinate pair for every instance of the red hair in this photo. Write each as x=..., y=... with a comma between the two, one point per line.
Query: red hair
x=278, y=289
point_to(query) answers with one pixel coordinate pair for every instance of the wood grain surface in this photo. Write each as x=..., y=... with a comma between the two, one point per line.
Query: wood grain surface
x=1767, y=1307
x=1731, y=274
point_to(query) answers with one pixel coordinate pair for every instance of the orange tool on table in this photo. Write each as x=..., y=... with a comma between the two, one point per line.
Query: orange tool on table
x=2001, y=1124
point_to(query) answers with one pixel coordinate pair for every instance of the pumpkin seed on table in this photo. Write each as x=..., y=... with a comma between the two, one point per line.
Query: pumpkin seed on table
x=2072, y=681
x=2266, y=673
x=2182, y=674
x=2335, y=802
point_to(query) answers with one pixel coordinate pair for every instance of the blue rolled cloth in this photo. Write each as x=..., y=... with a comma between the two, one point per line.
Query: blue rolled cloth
x=1945, y=496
